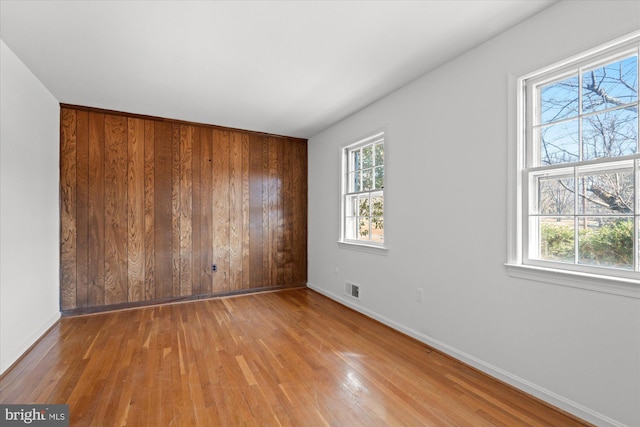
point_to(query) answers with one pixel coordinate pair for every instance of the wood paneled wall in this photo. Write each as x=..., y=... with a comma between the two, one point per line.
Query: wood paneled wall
x=148, y=205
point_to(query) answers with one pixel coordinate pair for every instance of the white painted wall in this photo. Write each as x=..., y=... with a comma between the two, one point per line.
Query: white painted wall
x=578, y=349
x=29, y=212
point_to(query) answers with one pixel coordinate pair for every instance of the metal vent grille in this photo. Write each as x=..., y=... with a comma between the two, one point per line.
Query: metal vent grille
x=352, y=290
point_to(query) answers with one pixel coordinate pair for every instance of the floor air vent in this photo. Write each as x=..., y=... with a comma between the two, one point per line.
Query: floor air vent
x=352, y=290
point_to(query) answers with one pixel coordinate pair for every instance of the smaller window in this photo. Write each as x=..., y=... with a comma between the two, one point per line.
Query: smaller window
x=363, y=192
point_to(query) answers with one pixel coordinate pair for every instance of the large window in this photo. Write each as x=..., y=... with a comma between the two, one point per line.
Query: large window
x=363, y=192
x=580, y=164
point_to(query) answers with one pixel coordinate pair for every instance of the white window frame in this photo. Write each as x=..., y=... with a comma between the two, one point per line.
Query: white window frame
x=358, y=244
x=519, y=264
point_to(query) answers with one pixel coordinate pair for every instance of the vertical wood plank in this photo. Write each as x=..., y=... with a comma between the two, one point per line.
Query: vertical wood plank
x=149, y=229
x=235, y=211
x=116, y=218
x=304, y=203
x=266, y=257
x=299, y=213
x=287, y=212
x=222, y=218
x=185, y=210
x=175, y=210
x=280, y=229
x=135, y=194
x=274, y=207
x=163, y=210
x=246, y=268
x=96, y=213
x=255, y=212
x=68, y=202
x=196, y=211
x=206, y=211
x=82, y=182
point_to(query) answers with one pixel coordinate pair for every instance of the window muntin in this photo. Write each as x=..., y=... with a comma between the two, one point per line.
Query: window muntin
x=363, y=192
x=581, y=164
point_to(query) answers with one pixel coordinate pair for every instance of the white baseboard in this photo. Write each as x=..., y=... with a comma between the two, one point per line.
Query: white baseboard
x=27, y=343
x=541, y=393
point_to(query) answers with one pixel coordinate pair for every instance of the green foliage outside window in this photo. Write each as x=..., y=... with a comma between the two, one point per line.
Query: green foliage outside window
x=377, y=211
x=557, y=243
x=608, y=245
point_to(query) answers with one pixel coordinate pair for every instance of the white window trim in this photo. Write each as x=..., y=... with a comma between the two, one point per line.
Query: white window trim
x=616, y=285
x=363, y=247
x=359, y=245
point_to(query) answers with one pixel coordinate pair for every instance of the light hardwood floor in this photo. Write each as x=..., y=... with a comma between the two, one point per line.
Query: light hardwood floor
x=285, y=358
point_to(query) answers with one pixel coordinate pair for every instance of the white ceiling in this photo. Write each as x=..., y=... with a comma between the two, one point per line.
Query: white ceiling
x=282, y=67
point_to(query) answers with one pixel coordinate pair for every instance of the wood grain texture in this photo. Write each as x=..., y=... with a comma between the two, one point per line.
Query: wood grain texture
x=299, y=220
x=185, y=210
x=147, y=206
x=96, y=211
x=163, y=211
x=175, y=209
x=236, y=220
x=285, y=271
x=286, y=358
x=135, y=205
x=68, y=214
x=280, y=227
x=266, y=256
x=255, y=178
x=222, y=216
x=116, y=219
x=275, y=180
x=205, y=234
x=196, y=211
x=82, y=208
x=246, y=239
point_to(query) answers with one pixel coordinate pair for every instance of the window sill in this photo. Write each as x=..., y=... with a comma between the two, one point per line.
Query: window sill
x=372, y=249
x=593, y=282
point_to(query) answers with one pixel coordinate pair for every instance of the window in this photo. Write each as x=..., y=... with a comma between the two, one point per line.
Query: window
x=579, y=165
x=363, y=192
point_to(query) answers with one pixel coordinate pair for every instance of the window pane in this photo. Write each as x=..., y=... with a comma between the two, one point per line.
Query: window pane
x=559, y=143
x=609, y=86
x=379, y=154
x=379, y=177
x=367, y=156
x=557, y=239
x=350, y=228
x=355, y=182
x=606, y=193
x=610, y=134
x=354, y=163
x=377, y=204
x=377, y=229
x=638, y=244
x=363, y=206
x=351, y=206
x=559, y=100
x=367, y=179
x=606, y=241
x=363, y=228
x=556, y=195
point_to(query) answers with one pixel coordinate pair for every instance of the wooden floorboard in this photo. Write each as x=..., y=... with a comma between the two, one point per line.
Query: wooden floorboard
x=285, y=358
